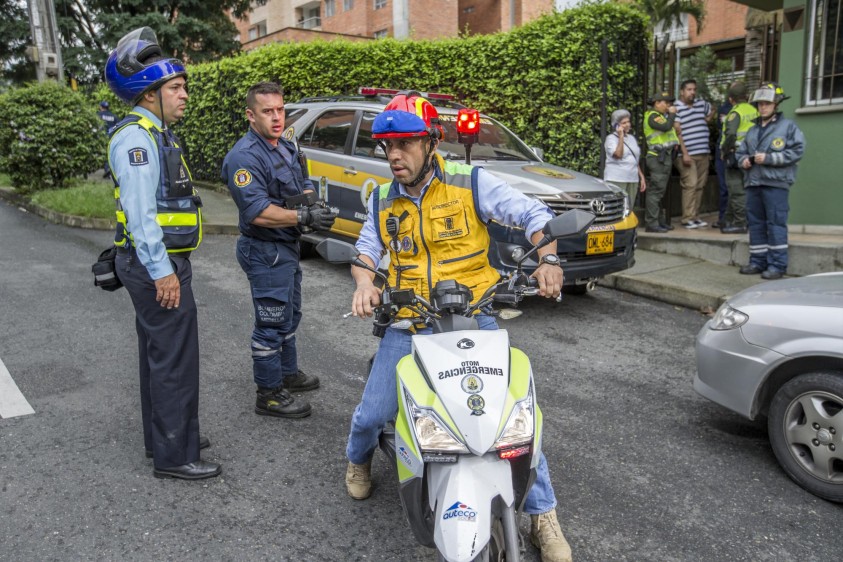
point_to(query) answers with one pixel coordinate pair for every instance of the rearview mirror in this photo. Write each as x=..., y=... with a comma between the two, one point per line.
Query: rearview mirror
x=336, y=251
x=575, y=221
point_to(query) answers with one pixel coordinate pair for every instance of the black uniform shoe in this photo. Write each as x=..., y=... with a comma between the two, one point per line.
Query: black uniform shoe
x=280, y=403
x=718, y=224
x=733, y=229
x=204, y=443
x=656, y=229
x=772, y=274
x=300, y=382
x=666, y=226
x=191, y=471
x=750, y=270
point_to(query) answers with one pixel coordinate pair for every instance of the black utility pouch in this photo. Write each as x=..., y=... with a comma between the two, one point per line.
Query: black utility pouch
x=105, y=270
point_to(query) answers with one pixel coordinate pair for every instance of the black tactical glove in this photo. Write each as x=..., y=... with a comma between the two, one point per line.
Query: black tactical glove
x=317, y=217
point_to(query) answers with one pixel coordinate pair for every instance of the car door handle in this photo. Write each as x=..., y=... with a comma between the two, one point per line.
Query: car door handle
x=350, y=171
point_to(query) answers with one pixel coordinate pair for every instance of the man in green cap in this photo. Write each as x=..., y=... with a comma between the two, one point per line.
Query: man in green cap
x=662, y=140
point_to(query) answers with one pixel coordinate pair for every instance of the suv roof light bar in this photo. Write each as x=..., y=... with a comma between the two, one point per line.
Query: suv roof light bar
x=367, y=91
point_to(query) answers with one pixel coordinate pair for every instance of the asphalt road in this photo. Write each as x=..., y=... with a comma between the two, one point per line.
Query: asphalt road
x=643, y=468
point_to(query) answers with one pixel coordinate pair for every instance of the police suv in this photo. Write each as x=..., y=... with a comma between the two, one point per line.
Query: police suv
x=346, y=164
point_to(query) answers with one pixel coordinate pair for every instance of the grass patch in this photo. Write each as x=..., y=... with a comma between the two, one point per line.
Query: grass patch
x=5, y=180
x=89, y=198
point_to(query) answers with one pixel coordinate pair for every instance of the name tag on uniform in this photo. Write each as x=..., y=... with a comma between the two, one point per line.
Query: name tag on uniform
x=138, y=157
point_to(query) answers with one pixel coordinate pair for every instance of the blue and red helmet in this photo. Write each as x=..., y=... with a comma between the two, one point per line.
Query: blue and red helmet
x=407, y=115
x=137, y=65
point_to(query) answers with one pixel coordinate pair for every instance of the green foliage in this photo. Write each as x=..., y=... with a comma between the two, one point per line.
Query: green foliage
x=192, y=30
x=14, y=37
x=48, y=134
x=713, y=75
x=542, y=80
x=83, y=199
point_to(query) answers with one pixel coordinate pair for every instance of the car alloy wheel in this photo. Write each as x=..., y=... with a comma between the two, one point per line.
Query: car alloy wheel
x=805, y=426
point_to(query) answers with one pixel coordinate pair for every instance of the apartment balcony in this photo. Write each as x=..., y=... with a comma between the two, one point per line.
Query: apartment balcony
x=310, y=23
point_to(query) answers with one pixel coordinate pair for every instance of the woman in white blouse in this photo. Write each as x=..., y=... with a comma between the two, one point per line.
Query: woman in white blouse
x=622, y=157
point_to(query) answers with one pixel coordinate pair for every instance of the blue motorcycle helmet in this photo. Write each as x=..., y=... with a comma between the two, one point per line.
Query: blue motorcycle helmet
x=137, y=65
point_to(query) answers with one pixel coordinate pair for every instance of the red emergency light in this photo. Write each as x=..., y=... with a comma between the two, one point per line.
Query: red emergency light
x=514, y=452
x=468, y=125
x=367, y=91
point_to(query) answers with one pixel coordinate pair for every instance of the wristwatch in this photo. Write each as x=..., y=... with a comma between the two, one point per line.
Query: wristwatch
x=550, y=259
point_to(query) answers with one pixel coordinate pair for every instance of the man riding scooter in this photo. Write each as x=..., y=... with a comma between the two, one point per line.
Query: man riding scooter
x=442, y=209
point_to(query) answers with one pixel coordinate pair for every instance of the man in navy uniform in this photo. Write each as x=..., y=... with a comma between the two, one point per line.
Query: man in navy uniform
x=159, y=224
x=265, y=176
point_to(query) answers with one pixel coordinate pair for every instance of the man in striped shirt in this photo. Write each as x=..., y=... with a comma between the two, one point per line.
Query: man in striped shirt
x=694, y=115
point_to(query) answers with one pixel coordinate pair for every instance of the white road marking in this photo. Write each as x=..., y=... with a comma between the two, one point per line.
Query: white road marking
x=12, y=402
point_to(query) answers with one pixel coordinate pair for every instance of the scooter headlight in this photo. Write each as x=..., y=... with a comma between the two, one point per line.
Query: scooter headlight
x=519, y=427
x=431, y=431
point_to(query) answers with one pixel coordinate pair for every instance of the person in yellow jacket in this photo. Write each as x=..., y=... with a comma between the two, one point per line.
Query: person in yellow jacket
x=442, y=209
x=740, y=119
x=662, y=141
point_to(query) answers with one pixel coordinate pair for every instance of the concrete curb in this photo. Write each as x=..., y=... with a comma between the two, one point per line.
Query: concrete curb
x=21, y=201
x=55, y=217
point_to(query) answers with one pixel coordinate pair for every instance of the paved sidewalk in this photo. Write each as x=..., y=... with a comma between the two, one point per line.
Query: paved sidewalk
x=696, y=268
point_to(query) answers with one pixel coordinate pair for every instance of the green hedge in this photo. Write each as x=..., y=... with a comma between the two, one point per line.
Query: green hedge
x=48, y=135
x=542, y=80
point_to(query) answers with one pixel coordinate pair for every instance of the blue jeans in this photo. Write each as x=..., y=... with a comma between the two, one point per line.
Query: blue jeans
x=379, y=405
x=275, y=279
x=766, y=214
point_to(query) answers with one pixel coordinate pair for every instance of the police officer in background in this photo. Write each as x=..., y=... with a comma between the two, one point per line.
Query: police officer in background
x=158, y=226
x=268, y=179
x=108, y=120
x=660, y=132
x=741, y=118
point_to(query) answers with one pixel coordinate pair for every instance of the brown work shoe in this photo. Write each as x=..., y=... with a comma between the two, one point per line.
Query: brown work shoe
x=358, y=480
x=546, y=535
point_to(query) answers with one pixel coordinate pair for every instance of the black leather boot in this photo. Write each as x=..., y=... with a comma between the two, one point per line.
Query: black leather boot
x=279, y=403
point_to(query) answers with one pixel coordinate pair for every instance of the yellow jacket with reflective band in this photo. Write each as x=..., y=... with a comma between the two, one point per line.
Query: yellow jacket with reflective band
x=179, y=216
x=748, y=114
x=443, y=238
x=658, y=140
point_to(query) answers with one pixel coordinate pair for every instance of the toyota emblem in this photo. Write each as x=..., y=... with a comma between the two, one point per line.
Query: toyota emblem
x=598, y=206
x=465, y=343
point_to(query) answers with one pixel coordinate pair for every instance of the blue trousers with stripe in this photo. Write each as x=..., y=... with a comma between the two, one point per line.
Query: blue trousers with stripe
x=766, y=212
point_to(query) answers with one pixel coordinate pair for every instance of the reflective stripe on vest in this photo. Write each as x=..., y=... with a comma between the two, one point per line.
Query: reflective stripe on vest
x=178, y=215
x=446, y=226
x=658, y=140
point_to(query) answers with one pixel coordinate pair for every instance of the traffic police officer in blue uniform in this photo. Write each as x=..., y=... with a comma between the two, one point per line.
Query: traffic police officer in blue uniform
x=267, y=181
x=159, y=224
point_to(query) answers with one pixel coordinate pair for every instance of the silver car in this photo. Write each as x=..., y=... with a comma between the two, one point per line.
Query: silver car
x=776, y=350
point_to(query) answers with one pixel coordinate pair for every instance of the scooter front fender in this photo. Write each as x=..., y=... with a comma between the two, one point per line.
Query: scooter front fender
x=461, y=497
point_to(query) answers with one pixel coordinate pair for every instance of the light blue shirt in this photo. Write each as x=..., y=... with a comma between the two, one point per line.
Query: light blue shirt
x=139, y=181
x=498, y=201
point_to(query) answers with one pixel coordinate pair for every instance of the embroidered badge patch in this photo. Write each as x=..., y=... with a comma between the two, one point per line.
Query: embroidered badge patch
x=659, y=119
x=733, y=116
x=242, y=177
x=138, y=157
x=778, y=143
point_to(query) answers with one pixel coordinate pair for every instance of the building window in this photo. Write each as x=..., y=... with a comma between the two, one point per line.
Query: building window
x=329, y=8
x=380, y=4
x=347, y=5
x=824, y=81
x=381, y=34
x=257, y=31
